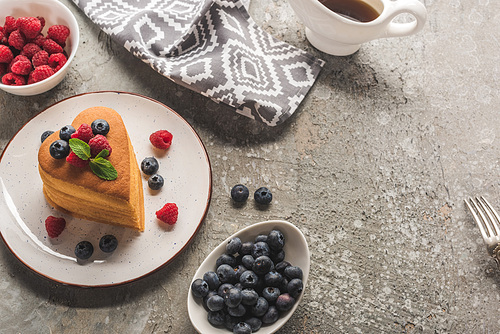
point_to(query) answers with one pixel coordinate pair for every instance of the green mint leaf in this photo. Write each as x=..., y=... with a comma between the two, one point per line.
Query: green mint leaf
x=103, y=168
x=103, y=154
x=80, y=148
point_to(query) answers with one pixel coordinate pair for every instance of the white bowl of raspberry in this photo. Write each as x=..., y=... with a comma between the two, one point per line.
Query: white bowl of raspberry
x=38, y=41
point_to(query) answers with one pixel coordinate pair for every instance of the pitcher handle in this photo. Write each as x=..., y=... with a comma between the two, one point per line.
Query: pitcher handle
x=412, y=7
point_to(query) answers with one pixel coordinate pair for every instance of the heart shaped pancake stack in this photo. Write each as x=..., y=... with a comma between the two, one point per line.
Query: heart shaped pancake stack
x=81, y=193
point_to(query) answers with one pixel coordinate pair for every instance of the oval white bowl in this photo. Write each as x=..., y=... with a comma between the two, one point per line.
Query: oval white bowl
x=296, y=252
x=54, y=12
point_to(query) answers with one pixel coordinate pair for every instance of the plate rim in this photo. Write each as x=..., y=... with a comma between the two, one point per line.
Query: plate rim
x=164, y=264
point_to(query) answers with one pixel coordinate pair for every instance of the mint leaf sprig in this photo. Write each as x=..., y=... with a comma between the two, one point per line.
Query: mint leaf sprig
x=99, y=165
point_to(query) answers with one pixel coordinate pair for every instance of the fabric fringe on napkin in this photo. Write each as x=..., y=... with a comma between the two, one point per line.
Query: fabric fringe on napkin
x=212, y=47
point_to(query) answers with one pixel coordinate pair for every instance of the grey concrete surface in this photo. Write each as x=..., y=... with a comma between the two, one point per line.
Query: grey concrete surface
x=373, y=168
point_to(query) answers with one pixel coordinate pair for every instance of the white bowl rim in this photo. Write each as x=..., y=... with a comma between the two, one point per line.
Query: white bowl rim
x=192, y=304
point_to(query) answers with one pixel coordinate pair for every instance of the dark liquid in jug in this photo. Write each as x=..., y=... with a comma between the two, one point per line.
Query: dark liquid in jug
x=356, y=10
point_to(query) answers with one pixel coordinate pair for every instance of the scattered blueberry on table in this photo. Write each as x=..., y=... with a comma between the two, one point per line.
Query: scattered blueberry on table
x=239, y=193
x=263, y=196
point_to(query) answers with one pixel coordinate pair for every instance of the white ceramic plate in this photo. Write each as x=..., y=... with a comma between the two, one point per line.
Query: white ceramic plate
x=188, y=183
x=296, y=252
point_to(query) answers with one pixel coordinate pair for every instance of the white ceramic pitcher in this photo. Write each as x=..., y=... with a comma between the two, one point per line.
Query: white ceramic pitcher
x=337, y=35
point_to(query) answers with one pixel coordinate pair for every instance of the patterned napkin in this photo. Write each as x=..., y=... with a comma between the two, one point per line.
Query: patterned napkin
x=212, y=47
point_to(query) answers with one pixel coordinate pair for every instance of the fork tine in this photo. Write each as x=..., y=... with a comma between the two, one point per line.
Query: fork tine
x=492, y=214
x=474, y=210
x=485, y=217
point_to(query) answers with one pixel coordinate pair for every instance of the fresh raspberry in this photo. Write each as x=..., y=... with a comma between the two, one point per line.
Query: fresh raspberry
x=57, y=60
x=40, y=73
x=29, y=26
x=12, y=79
x=168, y=214
x=54, y=226
x=42, y=21
x=16, y=58
x=97, y=144
x=84, y=133
x=30, y=49
x=3, y=69
x=59, y=33
x=40, y=58
x=39, y=40
x=161, y=139
x=76, y=161
x=6, y=55
x=10, y=25
x=17, y=40
x=3, y=38
x=51, y=46
x=21, y=66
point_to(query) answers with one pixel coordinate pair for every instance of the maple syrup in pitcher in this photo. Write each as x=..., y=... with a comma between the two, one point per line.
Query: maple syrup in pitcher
x=356, y=10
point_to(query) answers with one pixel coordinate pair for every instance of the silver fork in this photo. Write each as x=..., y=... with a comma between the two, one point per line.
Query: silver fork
x=488, y=221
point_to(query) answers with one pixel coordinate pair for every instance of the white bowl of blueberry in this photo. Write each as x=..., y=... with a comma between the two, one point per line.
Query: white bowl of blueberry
x=253, y=281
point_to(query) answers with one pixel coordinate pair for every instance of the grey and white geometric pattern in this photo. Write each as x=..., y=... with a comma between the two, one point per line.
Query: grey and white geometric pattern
x=212, y=47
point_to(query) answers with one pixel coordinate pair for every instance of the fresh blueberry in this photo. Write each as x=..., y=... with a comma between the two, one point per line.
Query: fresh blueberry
x=246, y=248
x=210, y=294
x=59, y=149
x=260, y=308
x=249, y=297
x=225, y=259
x=249, y=279
x=262, y=265
x=84, y=250
x=273, y=278
x=238, y=270
x=283, y=286
x=280, y=266
x=237, y=311
x=295, y=287
x=233, y=297
x=155, y=182
x=271, y=315
x=276, y=240
x=215, y=303
x=293, y=272
x=46, y=134
x=99, y=127
x=199, y=288
x=224, y=289
x=263, y=196
x=247, y=261
x=284, y=302
x=217, y=318
x=66, y=132
x=108, y=243
x=149, y=165
x=212, y=279
x=260, y=248
x=254, y=323
x=233, y=246
x=277, y=257
x=261, y=238
x=271, y=294
x=239, y=193
x=226, y=274
x=231, y=321
x=242, y=328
